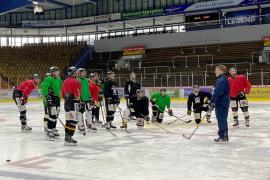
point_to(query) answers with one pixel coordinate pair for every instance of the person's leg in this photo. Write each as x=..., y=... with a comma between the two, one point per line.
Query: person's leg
x=197, y=116
x=222, y=116
x=234, y=107
x=160, y=117
x=244, y=107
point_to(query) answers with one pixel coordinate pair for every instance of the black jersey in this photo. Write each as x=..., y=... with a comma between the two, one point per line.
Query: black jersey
x=197, y=100
x=140, y=106
x=111, y=90
x=131, y=87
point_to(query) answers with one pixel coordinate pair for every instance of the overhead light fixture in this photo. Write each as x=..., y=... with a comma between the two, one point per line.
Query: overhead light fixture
x=38, y=9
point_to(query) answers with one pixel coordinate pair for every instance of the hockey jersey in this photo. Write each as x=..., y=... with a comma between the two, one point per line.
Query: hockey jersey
x=71, y=87
x=95, y=91
x=27, y=87
x=85, y=92
x=161, y=101
x=110, y=90
x=140, y=106
x=239, y=84
x=131, y=87
x=197, y=100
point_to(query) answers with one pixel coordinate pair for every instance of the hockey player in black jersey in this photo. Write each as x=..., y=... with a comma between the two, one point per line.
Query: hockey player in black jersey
x=131, y=87
x=138, y=107
x=200, y=101
x=112, y=100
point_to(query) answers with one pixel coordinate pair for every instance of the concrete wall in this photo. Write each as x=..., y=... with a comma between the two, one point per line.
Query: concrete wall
x=225, y=35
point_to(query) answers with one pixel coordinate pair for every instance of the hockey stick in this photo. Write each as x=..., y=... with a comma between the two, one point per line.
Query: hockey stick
x=162, y=127
x=179, y=118
x=61, y=122
x=190, y=136
x=120, y=112
x=104, y=122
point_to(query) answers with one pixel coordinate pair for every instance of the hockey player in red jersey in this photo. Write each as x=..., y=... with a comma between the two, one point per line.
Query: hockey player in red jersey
x=71, y=93
x=95, y=91
x=20, y=96
x=239, y=87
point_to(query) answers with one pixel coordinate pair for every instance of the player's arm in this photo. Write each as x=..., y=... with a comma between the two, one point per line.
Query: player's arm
x=247, y=86
x=219, y=91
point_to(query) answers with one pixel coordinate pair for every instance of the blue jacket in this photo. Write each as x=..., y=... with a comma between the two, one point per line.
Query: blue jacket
x=221, y=96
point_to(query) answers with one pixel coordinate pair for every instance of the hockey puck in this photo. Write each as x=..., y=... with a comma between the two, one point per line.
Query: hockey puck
x=8, y=160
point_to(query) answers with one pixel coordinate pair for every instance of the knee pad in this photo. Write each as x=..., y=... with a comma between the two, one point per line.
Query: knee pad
x=233, y=104
x=243, y=103
x=140, y=122
x=160, y=117
x=197, y=115
x=126, y=114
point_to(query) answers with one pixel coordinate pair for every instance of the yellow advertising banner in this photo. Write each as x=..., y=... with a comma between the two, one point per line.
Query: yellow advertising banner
x=262, y=93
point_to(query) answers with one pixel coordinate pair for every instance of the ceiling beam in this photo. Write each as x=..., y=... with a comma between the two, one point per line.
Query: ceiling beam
x=55, y=2
x=93, y=1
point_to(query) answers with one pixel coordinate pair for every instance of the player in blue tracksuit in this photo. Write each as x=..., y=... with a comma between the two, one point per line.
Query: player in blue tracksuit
x=221, y=102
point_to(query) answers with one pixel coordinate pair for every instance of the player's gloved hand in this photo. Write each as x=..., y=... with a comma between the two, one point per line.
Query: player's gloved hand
x=153, y=102
x=211, y=106
x=170, y=112
x=198, y=121
x=241, y=95
x=189, y=112
x=82, y=107
x=49, y=100
x=147, y=118
x=24, y=100
x=117, y=101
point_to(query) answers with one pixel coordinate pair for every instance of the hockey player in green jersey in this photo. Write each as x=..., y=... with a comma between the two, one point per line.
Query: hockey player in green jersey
x=51, y=92
x=86, y=104
x=160, y=101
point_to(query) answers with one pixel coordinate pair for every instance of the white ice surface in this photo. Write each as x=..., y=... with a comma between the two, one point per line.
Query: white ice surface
x=149, y=154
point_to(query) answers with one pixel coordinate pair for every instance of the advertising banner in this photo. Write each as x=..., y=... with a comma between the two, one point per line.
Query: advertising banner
x=143, y=13
x=240, y=18
x=265, y=15
x=266, y=41
x=136, y=50
x=70, y=22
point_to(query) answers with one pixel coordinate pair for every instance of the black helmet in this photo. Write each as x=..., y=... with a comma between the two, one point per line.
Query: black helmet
x=139, y=91
x=72, y=70
x=53, y=69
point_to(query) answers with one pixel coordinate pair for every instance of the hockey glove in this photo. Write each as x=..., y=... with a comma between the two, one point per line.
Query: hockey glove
x=82, y=107
x=49, y=100
x=241, y=95
x=198, y=121
x=211, y=106
x=170, y=112
x=147, y=118
x=189, y=112
x=153, y=102
x=24, y=100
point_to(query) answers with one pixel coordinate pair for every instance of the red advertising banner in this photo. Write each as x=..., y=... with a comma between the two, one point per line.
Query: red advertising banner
x=135, y=50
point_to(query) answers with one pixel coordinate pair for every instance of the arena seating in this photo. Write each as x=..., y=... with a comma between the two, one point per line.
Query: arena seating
x=19, y=63
x=180, y=73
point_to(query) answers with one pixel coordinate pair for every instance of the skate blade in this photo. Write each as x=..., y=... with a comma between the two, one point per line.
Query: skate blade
x=70, y=144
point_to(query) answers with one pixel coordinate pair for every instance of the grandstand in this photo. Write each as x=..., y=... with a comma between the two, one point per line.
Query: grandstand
x=169, y=44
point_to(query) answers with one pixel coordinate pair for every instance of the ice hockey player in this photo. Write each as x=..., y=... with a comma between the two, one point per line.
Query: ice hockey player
x=112, y=100
x=86, y=102
x=71, y=93
x=200, y=101
x=131, y=87
x=221, y=102
x=46, y=113
x=51, y=92
x=95, y=92
x=20, y=97
x=159, y=103
x=239, y=87
x=138, y=107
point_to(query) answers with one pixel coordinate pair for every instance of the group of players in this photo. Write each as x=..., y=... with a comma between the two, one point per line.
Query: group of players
x=86, y=97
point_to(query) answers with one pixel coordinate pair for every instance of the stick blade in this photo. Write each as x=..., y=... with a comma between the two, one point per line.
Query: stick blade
x=189, y=121
x=186, y=137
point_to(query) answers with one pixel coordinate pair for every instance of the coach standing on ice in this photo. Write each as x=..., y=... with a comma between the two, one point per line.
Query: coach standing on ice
x=221, y=102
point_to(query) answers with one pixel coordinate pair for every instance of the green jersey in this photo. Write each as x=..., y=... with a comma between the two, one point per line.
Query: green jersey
x=51, y=84
x=161, y=101
x=85, y=91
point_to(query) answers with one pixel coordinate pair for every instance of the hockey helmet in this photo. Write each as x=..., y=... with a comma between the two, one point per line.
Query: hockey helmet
x=72, y=71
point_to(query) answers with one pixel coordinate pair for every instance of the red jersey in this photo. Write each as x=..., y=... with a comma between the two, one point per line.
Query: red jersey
x=94, y=90
x=239, y=84
x=72, y=87
x=27, y=87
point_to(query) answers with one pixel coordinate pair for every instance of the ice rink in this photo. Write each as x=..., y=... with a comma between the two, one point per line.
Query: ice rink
x=149, y=154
